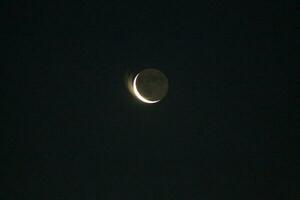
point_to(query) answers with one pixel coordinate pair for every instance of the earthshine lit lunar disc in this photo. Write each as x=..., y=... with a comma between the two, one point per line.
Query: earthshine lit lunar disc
x=150, y=86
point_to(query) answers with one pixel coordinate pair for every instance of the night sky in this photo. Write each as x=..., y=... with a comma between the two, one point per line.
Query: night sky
x=71, y=129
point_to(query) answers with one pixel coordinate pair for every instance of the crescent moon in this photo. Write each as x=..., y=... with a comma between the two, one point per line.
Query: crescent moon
x=138, y=95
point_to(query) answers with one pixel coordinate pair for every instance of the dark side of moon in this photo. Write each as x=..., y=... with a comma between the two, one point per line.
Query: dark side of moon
x=152, y=84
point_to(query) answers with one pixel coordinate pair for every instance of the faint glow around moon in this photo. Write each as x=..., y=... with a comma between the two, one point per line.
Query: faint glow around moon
x=138, y=95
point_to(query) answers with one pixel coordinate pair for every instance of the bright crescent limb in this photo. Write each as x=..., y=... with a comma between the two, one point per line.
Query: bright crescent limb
x=139, y=96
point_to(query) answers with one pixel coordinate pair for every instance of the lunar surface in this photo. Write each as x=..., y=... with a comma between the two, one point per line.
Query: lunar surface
x=150, y=85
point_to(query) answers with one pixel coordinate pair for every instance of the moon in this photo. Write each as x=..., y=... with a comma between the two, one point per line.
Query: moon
x=138, y=95
x=150, y=86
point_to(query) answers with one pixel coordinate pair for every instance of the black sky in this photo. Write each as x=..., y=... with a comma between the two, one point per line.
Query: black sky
x=73, y=131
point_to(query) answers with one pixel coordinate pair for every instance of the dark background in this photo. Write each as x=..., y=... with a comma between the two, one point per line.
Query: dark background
x=71, y=129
